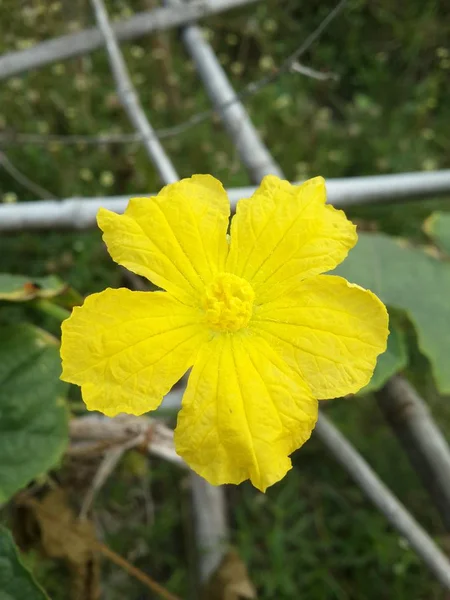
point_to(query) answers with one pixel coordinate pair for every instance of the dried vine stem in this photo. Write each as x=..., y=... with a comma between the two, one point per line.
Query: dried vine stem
x=135, y=572
x=94, y=432
x=298, y=67
x=23, y=179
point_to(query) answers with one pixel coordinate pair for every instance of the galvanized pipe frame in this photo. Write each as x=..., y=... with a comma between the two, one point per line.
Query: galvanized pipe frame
x=235, y=118
x=422, y=440
x=130, y=99
x=80, y=213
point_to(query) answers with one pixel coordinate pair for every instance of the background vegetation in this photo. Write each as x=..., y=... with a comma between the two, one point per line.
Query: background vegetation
x=313, y=535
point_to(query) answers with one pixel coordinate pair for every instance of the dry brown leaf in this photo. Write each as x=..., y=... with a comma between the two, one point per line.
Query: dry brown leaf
x=73, y=540
x=69, y=539
x=230, y=581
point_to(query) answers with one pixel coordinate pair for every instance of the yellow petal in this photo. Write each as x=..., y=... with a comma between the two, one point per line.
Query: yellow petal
x=243, y=413
x=329, y=330
x=176, y=239
x=285, y=233
x=127, y=349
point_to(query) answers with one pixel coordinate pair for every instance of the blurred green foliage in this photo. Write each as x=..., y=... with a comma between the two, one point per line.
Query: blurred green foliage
x=15, y=580
x=313, y=535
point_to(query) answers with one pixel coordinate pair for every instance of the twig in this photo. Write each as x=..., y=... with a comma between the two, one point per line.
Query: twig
x=384, y=500
x=22, y=179
x=137, y=573
x=80, y=213
x=249, y=90
x=130, y=99
x=247, y=141
x=10, y=138
x=297, y=67
x=107, y=466
x=426, y=447
x=156, y=438
x=84, y=42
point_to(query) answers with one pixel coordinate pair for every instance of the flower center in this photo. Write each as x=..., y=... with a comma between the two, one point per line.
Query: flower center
x=228, y=303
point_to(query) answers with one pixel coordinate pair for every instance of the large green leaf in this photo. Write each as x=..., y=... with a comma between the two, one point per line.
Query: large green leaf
x=16, y=583
x=409, y=279
x=437, y=226
x=390, y=362
x=17, y=288
x=33, y=414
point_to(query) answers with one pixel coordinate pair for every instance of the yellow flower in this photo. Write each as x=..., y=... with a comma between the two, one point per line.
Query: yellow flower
x=267, y=334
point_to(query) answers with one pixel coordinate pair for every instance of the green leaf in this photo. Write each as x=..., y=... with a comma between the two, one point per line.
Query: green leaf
x=390, y=362
x=33, y=414
x=407, y=278
x=16, y=582
x=18, y=288
x=437, y=226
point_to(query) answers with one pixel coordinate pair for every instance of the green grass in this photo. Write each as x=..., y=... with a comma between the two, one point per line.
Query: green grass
x=313, y=535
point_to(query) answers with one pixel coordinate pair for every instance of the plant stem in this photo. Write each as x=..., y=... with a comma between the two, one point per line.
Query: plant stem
x=50, y=308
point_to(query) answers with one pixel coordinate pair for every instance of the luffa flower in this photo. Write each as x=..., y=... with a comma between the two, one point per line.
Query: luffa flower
x=267, y=334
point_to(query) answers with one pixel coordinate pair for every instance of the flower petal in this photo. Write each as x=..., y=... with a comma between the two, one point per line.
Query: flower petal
x=285, y=233
x=243, y=413
x=127, y=349
x=329, y=330
x=176, y=239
